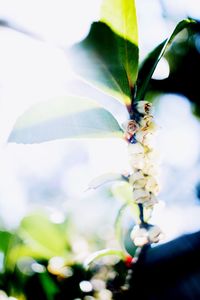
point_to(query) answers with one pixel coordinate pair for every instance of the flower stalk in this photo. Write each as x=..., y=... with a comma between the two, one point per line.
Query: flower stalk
x=139, y=134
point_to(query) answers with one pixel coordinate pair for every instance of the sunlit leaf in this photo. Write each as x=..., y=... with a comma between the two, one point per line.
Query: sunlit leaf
x=123, y=192
x=20, y=250
x=65, y=117
x=119, y=224
x=97, y=61
x=103, y=179
x=120, y=16
x=5, y=238
x=148, y=66
x=97, y=255
x=43, y=236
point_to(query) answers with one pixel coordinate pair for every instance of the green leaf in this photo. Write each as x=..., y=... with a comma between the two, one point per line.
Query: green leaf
x=43, y=237
x=49, y=286
x=124, y=192
x=97, y=61
x=148, y=66
x=97, y=255
x=65, y=117
x=119, y=224
x=120, y=16
x=5, y=240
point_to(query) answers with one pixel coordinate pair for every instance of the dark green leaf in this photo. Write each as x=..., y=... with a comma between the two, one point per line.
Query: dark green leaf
x=98, y=60
x=148, y=66
x=65, y=117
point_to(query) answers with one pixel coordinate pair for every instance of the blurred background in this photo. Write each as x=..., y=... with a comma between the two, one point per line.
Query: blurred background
x=49, y=180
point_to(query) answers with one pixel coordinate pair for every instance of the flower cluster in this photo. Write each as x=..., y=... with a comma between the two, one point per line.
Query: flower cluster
x=143, y=178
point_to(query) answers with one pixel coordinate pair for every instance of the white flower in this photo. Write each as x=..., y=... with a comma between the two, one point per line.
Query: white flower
x=137, y=161
x=145, y=121
x=151, y=170
x=135, y=148
x=137, y=175
x=150, y=202
x=144, y=107
x=142, y=236
x=152, y=185
x=140, y=183
x=139, y=236
x=130, y=127
x=152, y=155
x=139, y=136
x=154, y=234
x=141, y=195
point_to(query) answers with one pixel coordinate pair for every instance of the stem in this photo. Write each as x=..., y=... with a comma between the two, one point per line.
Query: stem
x=133, y=95
x=141, y=213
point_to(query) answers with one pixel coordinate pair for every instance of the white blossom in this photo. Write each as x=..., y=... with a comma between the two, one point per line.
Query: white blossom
x=154, y=234
x=142, y=236
x=140, y=195
x=144, y=107
x=130, y=126
x=137, y=175
x=151, y=201
x=152, y=185
x=135, y=148
x=139, y=236
x=138, y=184
x=137, y=161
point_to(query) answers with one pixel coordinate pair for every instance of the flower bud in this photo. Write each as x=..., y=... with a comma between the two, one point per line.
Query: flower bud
x=130, y=127
x=141, y=195
x=135, y=148
x=139, y=184
x=146, y=121
x=137, y=175
x=150, y=202
x=154, y=234
x=144, y=107
x=139, y=236
x=152, y=185
x=137, y=161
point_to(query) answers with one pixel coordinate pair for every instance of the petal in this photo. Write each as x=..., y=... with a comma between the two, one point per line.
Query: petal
x=135, y=148
x=139, y=236
x=144, y=107
x=140, y=194
x=154, y=234
x=150, y=202
x=137, y=161
x=139, y=184
x=135, y=176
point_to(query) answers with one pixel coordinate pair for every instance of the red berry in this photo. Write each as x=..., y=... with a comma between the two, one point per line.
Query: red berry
x=128, y=261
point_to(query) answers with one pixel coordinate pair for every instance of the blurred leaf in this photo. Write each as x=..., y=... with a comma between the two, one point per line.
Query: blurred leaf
x=119, y=224
x=148, y=66
x=96, y=255
x=49, y=286
x=42, y=236
x=103, y=179
x=124, y=193
x=20, y=250
x=5, y=239
x=65, y=117
x=120, y=16
x=97, y=61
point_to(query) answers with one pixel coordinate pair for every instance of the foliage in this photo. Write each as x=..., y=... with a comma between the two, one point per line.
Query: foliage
x=40, y=253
